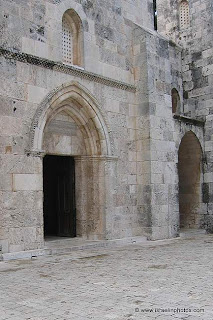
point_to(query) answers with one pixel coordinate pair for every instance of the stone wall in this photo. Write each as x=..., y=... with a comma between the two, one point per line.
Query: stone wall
x=114, y=116
x=158, y=69
x=34, y=29
x=197, y=44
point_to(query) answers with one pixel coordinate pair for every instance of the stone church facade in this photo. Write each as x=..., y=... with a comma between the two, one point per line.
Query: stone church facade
x=105, y=122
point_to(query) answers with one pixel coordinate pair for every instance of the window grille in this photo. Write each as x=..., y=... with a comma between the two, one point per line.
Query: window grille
x=184, y=15
x=66, y=41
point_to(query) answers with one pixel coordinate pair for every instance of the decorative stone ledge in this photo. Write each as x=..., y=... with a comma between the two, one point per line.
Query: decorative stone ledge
x=58, y=66
x=42, y=153
x=96, y=158
x=200, y=122
x=35, y=153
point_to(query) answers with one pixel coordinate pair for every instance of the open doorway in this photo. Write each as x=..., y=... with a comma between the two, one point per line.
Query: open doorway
x=189, y=171
x=59, y=196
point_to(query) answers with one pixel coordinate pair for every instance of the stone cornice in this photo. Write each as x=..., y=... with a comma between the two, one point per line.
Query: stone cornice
x=96, y=158
x=42, y=153
x=35, y=153
x=58, y=66
x=194, y=121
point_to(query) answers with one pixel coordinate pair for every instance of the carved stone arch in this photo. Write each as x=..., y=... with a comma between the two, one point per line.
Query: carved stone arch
x=81, y=104
x=70, y=4
x=94, y=164
x=196, y=134
x=176, y=103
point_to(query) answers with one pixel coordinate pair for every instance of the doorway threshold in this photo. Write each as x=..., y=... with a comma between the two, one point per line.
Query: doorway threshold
x=62, y=245
x=191, y=233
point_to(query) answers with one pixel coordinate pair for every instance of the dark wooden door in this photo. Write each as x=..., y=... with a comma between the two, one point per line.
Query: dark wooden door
x=59, y=196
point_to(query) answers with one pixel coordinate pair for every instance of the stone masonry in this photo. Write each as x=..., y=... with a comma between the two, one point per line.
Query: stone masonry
x=112, y=113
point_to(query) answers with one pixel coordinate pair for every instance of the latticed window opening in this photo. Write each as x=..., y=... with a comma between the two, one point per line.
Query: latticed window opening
x=67, y=41
x=184, y=15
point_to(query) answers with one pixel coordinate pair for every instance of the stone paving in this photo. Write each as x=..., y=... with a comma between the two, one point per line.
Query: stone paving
x=138, y=281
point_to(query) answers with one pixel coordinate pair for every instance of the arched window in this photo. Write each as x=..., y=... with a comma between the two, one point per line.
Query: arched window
x=72, y=38
x=184, y=14
x=175, y=101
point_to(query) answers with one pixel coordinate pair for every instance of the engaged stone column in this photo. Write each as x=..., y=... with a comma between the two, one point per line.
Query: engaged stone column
x=94, y=177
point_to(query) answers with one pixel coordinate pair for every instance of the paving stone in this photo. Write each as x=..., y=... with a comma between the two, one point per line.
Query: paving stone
x=131, y=282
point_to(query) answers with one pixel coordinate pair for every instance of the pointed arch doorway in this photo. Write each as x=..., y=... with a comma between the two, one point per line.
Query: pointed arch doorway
x=72, y=133
x=189, y=172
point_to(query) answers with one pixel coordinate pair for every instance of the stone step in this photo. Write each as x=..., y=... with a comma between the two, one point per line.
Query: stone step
x=63, y=246
x=188, y=233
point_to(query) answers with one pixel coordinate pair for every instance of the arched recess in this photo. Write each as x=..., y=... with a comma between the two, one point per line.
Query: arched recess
x=75, y=102
x=175, y=101
x=72, y=38
x=190, y=179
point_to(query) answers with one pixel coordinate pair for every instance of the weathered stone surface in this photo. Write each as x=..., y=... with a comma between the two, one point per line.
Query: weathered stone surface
x=120, y=130
x=136, y=287
x=27, y=182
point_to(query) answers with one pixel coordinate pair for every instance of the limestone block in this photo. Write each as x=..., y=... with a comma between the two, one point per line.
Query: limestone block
x=170, y=173
x=157, y=167
x=29, y=235
x=28, y=45
x=16, y=247
x=209, y=145
x=32, y=182
x=51, y=11
x=187, y=76
x=200, y=91
x=58, y=144
x=16, y=237
x=174, y=231
x=132, y=179
x=133, y=189
x=22, y=208
x=112, y=105
x=12, y=89
x=207, y=53
x=131, y=122
x=20, y=164
x=36, y=94
x=160, y=215
x=159, y=233
x=208, y=177
x=136, y=49
x=54, y=52
x=5, y=182
x=5, y=246
x=157, y=178
x=133, y=167
x=208, y=70
x=41, y=49
x=25, y=72
x=10, y=126
x=159, y=194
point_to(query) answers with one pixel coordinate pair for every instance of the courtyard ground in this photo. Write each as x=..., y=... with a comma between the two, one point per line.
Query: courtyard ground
x=171, y=279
